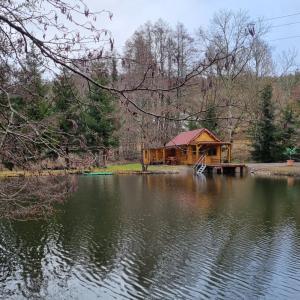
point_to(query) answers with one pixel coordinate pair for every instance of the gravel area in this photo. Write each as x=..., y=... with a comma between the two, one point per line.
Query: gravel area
x=274, y=169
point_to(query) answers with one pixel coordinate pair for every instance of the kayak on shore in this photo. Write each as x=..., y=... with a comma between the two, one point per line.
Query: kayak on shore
x=97, y=173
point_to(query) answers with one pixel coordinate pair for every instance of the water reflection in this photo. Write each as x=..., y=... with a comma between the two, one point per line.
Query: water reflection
x=33, y=197
x=160, y=237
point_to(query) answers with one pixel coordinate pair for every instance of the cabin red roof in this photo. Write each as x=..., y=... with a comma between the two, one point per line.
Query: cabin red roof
x=185, y=138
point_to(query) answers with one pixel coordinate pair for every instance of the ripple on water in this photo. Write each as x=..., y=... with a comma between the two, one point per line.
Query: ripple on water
x=114, y=241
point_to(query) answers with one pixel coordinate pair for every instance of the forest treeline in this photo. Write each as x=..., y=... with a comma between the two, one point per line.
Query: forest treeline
x=70, y=110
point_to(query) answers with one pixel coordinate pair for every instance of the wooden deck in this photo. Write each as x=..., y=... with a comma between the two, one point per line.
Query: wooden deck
x=226, y=168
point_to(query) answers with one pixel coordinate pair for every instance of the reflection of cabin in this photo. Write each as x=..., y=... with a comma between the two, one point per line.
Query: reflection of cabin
x=187, y=147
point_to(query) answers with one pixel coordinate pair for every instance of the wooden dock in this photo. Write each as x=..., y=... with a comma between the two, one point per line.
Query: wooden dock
x=226, y=168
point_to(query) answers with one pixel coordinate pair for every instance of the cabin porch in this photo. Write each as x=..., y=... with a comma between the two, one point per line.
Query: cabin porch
x=215, y=153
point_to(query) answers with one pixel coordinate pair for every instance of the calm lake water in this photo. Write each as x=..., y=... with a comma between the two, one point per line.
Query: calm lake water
x=159, y=237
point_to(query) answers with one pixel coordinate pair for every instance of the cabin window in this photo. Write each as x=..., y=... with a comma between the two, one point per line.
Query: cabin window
x=212, y=151
x=184, y=151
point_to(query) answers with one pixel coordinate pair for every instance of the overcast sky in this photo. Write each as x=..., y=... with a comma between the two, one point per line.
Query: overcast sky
x=130, y=14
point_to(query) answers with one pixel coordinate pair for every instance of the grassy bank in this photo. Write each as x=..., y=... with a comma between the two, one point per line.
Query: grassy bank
x=130, y=168
x=270, y=169
x=136, y=168
x=21, y=173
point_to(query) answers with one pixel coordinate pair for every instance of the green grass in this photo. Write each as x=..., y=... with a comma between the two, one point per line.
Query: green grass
x=135, y=167
x=121, y=168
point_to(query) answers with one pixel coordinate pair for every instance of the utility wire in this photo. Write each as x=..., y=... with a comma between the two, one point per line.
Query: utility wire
x=286, y=24
x=282, y=25
x=285, y=38
x=281, y=17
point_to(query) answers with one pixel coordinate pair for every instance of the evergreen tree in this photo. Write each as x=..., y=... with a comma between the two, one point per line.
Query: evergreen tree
x=99, y=119
x=64, y=92
x=265, y=133
x=32, y=105
x=35, y=103
x=88, y=123
x=210, y=119
x=288, y=131
x=67, y=112
x=192, y=125
x=114, y=69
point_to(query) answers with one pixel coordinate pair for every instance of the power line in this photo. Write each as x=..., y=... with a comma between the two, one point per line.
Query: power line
x=285, y=38
x=281, y=17
x=286, y=24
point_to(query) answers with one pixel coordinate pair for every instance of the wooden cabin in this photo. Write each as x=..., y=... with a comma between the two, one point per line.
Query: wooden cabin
x=187, y=148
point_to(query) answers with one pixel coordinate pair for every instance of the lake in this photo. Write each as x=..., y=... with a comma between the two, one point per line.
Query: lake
x=159, y=237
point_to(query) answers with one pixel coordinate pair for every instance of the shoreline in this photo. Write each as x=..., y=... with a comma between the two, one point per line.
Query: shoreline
x=274, y=169
x=256, y=169
x=125, y=169
x=15, y=174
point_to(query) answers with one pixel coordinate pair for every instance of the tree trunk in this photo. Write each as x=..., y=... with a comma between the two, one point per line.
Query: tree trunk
x=144, y=166
x=98, y=162
x=67, y=159
x=104, y=157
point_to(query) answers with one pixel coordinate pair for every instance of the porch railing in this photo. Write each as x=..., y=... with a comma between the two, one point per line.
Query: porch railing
x=200, y=165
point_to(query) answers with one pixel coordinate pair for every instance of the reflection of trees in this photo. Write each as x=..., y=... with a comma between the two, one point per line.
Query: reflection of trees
x=192, y=192
x=254, y=244
x=22, y=254
x=89, y=235
x=78, y=244
x=133, y=232
x=33, y=197
x=232, y=249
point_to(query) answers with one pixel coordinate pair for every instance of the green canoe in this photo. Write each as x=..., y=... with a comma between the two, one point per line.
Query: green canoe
x=98, y=173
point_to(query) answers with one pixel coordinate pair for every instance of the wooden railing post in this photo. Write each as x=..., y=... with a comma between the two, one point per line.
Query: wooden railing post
x=229, y=153
x=190, y=154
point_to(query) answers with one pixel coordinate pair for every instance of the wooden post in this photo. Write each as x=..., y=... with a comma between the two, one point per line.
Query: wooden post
x=149, y=156
x=190, y=154
x=146, y=156
x=229, y=153
x=197, y=152
x=164, y=155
